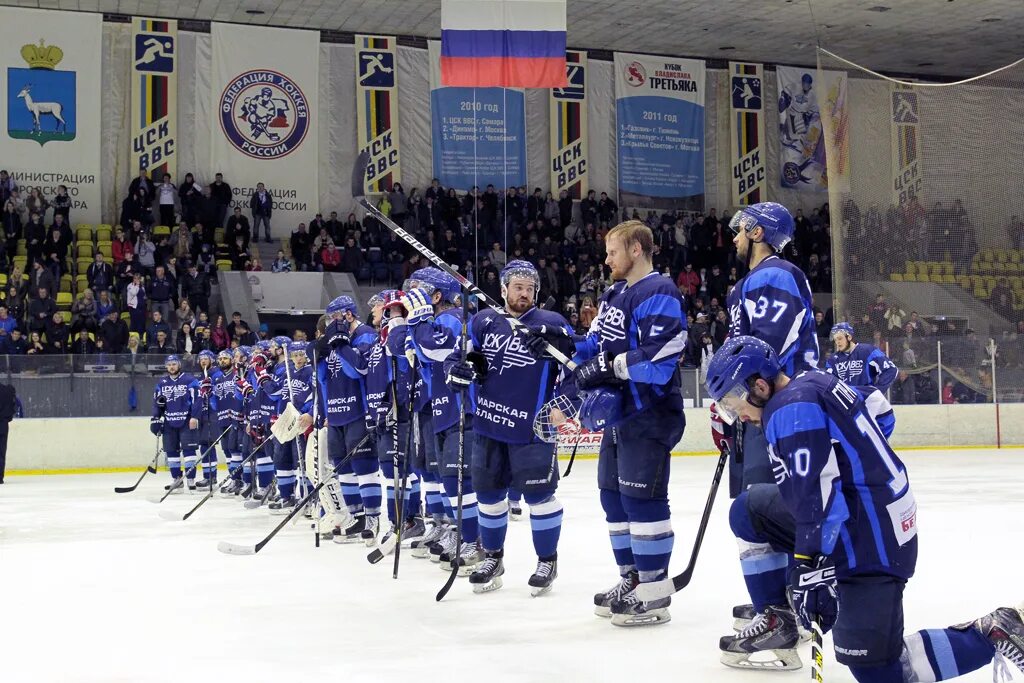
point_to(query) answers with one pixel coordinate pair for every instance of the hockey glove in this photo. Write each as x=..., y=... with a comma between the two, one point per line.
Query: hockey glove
x=262, y=377
x=258, y=362
x=161, y=404
x=720, y=432
x=156, y=425
x=814, y=593
x=244, y=387
x=419, y=305
x=205, y=387
x=461, y=376
x=596, y=371
x=538, y=340
x=337, y=334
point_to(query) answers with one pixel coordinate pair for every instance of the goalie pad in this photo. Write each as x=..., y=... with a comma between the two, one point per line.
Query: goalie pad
x=287, y=426
x=318, y=469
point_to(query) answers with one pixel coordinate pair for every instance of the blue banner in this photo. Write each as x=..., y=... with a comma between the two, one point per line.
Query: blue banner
x=660, y=132
x=478, y=134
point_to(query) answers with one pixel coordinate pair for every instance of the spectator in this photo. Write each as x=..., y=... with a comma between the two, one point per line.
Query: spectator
x=220, y=195
x=114, y=332
x=244, y=335
x=55, y=251
x=399, y=204
x=184, y=314
x=160, y=292
x=196, y=287
x=83, y=344
x=17, y=278
x=352, y=258
x=40, y=310
x=203, y=340
x=105, y=304
x=35, y=343
x=135, y=303
x=157, y=324
x=186, y=341
x=281, y=264
x=35, y=234
x=182, y=242
x=83, y=312
x=99, y=274
x=7, y=186
x=57, y=334
x=144, y=183
x=160, y=345
x=238, y=226
x=947, y=392
x=254, y=264
x=146, y=251
x=62, y=204
x=330, y=258
x=7, y=323
x=15, y=343
x=12, y=229
x=15, y=302
x=167, y=196
x=300, y=244
x=137, y=206
x=190, y=198
x=236, y=319
x=239, y=254
x=219, y=335
x=903, y=390
x=121, y=247
x=262, y=207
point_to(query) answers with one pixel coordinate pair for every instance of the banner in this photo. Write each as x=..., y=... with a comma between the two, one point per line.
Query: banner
x=50, y=72
x=569, y=129
x=377, y=109
x=660, y=131
x=479, y=134
x=746, y=118
x=907, y=174
x=154, y=97
x=801, y=132
x=264, y=130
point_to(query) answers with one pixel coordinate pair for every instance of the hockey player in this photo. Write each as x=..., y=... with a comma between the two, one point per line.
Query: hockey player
x=297, y=389
x=387, y=373
x=844, y=509
x=176, y=410
x=226, y=407
x=435, y=331
x=207, y=432
x=628, y=370
x=260, y=407
x=341, y=376
x=511, y=387
x=859, y=364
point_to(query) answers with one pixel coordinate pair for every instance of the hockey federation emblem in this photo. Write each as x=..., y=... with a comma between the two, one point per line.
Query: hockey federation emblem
x=376, y=69
x=636, y=74
x=264, y=114
x=41, y=101
x=746, y=93
x=333, y=364
x=904, y=107
x=577, y=79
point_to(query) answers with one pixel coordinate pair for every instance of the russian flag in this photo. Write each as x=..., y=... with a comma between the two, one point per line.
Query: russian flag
x=503, y=43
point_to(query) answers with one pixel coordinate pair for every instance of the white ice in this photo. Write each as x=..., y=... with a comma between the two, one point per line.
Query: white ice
x=94, y=586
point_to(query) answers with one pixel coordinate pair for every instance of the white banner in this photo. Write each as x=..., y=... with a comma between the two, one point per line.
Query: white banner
x=50, y=68
x=263, y=87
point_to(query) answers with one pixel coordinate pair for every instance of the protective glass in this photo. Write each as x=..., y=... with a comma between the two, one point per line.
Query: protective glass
x=742, y=221
x=728, y=406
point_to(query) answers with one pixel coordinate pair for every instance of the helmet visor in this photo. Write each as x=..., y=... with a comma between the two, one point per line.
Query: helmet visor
x=742, y=221
x=729, y=405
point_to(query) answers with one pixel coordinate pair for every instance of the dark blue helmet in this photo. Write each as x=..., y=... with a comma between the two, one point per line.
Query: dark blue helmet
x=841, y=327
x=733, y=365
x=602, y=407
x=520, y=268
x=342, y=304
x=774, y=219
x=435, y=279
x=206, y=353
x=172, y=358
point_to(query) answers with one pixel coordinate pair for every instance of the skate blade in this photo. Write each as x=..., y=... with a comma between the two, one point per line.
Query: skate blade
x=467, y=569
x=515, y=518
x=782, y=660
x=603, y=611
x=652, y=618
x=252, y=504
x=537, y=591
x=493, y=585
x=347, y=540
x=280, y=512
x=370, y=542
x=419, y=553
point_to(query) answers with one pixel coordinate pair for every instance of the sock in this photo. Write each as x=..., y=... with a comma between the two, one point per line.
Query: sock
x=209, y=461
x=432, y=491
x=264, y=470
x=618, y=531
x=412, y=497
x=286, y=483
x=514, y=496
x=189, y=462
x=350, y=492
x=941, y=654
x=470, y=521
x=369, y=492
x=174, y=465
x=387, y=470
x=234, y=462
x=764, y=570
x=493, y=520
x=651, y=537
x=545, y=522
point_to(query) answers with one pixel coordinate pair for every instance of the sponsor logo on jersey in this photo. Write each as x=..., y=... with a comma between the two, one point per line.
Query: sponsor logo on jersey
x=849, y=369
x=508, y=349
x=264, y=114
x=174, y=392
x=612, y=325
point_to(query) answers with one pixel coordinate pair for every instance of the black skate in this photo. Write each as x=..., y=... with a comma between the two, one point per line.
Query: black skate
x=603, y=601
x=231, y=487
x=415, y=530
x=544, y=576
x=742, y=615
x=445, y=546
x=206, y=483
x=470, y=555
x=421, y=547
x=353, y=533
x=370, y=529
x=175, y=487
x=282, y=506
x=487, y=576
x=630, y=610
x=247, y=490
x=1004, y=628
x=768, y=642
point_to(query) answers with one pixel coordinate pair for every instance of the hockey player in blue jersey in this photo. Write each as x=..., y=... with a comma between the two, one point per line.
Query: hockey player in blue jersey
x=839, y=528
x=251, y=431
x=175, y=417
x=341, y=377
x=859, y=364
x=259, y=407
x=296, y=388
x=207, y=432
x=434, y=332
x=512, y=386
x=226, y=407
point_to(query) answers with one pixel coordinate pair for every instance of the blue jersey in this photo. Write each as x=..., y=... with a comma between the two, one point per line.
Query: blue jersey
x=435, y=340
x=263, y=402
x=225, y=399
x=516, y=385
x=378, y=379
x=301, y=389
x=183, y=403
x=396, y=346
x=848, y=491
x=865, y=364
x=773, y=303
x=341, y=377
x=646, y=324
x=879, y=408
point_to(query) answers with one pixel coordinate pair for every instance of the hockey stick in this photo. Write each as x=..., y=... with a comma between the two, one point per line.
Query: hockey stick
x=817, y=652
x=457, y=553
x=300, y=461
x=655, y=590
x=385, y=548
x=254, y=503
x=150, y=469
x=405, y=463
x=358, y=194
x=176, y=517
x=239, y=549
x=180, y=481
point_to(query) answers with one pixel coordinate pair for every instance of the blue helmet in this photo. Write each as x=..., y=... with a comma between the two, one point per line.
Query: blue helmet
x=841, y=327
x=520, y=268
x=435, y=279
x=264, y=344
x=774, y=219
x=224, y=354
x=172, y=358
x=341, y=304
x=806, y=78
x=281, y=340
x=206, y=353
x=297, y=347
x=602, y=407
x=380, y=297
x=246, y=351
x=738, y=360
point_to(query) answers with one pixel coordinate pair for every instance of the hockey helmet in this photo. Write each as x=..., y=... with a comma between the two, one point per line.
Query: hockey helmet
x=841, y=328
x=342, y=304
x=775, y=220
x=520, y=268
x=432, y=280
x=209, y=355
x=733, y=366
x=602, y=408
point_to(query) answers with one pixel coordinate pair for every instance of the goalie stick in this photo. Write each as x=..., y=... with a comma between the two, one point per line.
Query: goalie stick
x=655, y=590
x=150, y=469
x=240, y=549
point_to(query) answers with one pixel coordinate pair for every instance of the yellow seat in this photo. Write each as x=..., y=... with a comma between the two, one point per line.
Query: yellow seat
x=126, y=316
x=218, y=235
x=936, y=278
x=105, y=226
x=935, y=269
x=947, y=268
x=83, y=226
x=1015, y=255
x=21, y=249
x=896, y=277
x=161, y=231
x=67, y=316
x=990, y=282
x=223, y=264
x=84, y=249
x=103, y=234
x=84, y=234
x=910, y=277
x=64, y=299
x=986, y=267
x=1002, y=255
x=979, y=293
x=3, y=281
x=65, y=282
x=988, y=255
x=81, y=283
x=20, y=260
x=948, y=280
x=106, y=250
x=82, y=264
x=964, y=281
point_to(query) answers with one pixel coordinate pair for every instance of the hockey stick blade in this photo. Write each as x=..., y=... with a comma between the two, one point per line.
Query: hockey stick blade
x=236, y=549
x=385, y=549
x=150, y=469
x=448, y=584
x=656, y=590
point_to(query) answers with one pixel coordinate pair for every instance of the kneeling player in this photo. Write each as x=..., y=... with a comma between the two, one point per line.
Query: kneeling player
x=512, y=385
x=843, y=508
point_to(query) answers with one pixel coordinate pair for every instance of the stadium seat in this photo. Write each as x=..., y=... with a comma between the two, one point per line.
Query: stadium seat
x=126, y=316
x=990, y=282
x=964, y=281
x=947, y=268
x=3, y=281
x=82, y=264
x=106, y=249
x=223, y=264
x=948, y=280
x=84, y=249
x=21, y=249
x=84, y=226
x=65, y=283
x=161, y=231
x=104, y=233
x=81, y=284
x=896, y=277
x=1001, y=255
x=64, y=300
x=66, y=315
x=84, y=234
x=20, y=260
x=218, y=235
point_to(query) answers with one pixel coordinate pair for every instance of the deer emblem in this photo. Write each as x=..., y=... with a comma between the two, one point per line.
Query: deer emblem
x=38, y=109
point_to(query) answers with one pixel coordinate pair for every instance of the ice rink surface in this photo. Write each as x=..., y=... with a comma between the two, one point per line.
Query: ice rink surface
x=97, y=587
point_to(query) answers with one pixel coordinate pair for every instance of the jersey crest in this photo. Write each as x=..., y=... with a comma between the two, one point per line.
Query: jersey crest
x=510, y=348
x=333, y=363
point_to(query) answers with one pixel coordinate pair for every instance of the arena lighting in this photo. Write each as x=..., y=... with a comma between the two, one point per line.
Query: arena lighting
x=727, y=47
x=990, y=20
x=254, y=12
x=879, y=8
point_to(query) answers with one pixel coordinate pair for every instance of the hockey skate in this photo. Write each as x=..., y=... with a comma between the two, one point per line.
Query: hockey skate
x=232, y=487
x=256, y=500
x=353, y=533
x=742, y=615
x=282, y=506
x=768, y=642
x=206, y=483
x=370, y=529
x=630, y=610
x=421, y=548
x=515, y=511
x=603, y=601
x=469, y=557
x=175, y=487
x=415, y=530
x=444, y=545
x=1004, y=628
x=544, y=576
x=487, y=576
x=247, y=490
